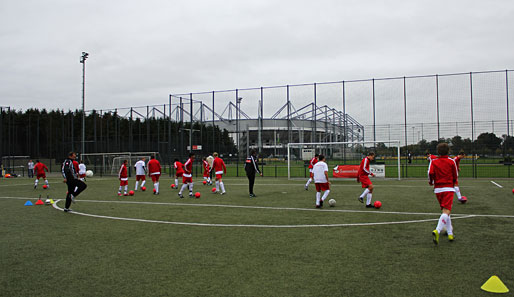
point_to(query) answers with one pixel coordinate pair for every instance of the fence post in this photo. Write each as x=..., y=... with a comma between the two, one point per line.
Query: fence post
x=474, y=162
x=405, y=121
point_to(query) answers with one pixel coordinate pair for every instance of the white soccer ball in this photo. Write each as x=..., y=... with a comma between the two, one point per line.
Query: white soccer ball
x=48, y=202
x=89, y=173
x=332, y=202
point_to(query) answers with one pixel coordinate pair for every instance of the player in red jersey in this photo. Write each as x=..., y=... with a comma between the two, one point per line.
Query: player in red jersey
x=187, y=177
x=219, y=169
x=312, y=162
x=154, y=171
x=39, y=170
x=442, y=174
x=206, y=171
x=179, y=171
x=462, y=199
x=123, y=177
x=362, y=177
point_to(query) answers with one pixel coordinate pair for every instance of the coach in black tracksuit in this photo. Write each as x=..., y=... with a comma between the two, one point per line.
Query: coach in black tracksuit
x=251, y=168
x=75, y=186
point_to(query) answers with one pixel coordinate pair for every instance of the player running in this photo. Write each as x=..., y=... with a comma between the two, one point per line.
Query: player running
x=362, y=177
x=154, y=171
x=187, y=177
x=312, y=162
x=179, y=171
x=219, y=169
x=123, y=177
x=206, y=171
x=462, y=199
x=320, y=175
x=39, y=169
x=140, y=173
x=442, y=174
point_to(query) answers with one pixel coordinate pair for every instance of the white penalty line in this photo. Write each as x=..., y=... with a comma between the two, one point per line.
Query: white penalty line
x=498, y=185
x=249, y=226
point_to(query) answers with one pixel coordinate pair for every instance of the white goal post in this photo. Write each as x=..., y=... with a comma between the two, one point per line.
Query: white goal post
x=347, y=153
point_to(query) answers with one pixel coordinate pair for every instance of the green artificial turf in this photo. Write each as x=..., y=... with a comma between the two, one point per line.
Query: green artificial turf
x=46, y=252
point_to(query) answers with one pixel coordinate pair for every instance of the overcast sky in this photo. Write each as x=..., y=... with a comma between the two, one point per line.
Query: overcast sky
x=141, y=51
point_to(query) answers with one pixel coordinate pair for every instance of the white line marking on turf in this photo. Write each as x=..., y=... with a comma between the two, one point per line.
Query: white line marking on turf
x=250, y=226
x=498, y=185
x=275, y=208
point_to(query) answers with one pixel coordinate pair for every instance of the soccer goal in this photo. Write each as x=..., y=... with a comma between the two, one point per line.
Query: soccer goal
x=345, y=155
x=110, y=163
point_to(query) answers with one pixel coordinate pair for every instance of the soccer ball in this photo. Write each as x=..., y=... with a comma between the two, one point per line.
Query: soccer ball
x=197, y=194
x=47, y=202
x=213, y=190
x=143, y=189
x=204, y=182
x=332, y=202
x=131, y=193
x=89, y=173
x=173, y=186
x=463, y=200
x=377, y=204
x=45, y=187
x=154, y=190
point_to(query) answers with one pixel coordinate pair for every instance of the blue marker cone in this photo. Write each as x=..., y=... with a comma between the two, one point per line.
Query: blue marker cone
x=28, y=203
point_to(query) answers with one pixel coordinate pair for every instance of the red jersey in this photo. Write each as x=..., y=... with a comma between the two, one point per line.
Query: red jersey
x=76, y=166
x=431, y=157
x=188, y=168
x=219, y=165
x=40, y=168
x=123, y=174
x=457, y=162
x=154, y=167
x=313, y=162
x=442, y=173
x=364, y=168
x=178, y=167
x=205, y=166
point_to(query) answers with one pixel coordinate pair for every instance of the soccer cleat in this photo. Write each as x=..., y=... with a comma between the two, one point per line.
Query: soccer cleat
x=321, y=203
x=180, y=195
x=223, y=193
x=119, y=194
x=361, y=200
x=125, y=194
x=252, y=195
x=370, y=206
x=35, y=187
x=435, y=237
x=68, y=210
x=306, y=188
x=318, y=206
x=191, y=194
x=451, y=237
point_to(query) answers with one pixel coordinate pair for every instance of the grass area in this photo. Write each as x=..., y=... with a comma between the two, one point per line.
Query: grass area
x=47, y=252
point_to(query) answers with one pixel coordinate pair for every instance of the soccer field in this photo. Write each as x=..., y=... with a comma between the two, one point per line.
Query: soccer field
x=277, y=244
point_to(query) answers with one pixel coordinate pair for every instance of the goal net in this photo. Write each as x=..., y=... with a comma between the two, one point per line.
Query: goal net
x=343, y=158
x=110, y=163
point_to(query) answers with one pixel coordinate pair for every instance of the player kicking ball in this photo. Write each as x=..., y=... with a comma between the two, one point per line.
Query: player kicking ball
x=187, y=177
x=363, y=178
x=442, y=174
x=320, y=176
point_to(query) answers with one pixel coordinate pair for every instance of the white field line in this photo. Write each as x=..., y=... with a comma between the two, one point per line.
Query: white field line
x=250, y=226
x=498, y=185
x=274, y=208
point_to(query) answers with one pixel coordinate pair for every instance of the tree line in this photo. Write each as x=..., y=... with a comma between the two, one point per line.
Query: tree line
x=51, y=134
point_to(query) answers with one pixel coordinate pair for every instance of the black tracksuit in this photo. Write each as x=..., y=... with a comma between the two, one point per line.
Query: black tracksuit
x=251, y=168
x=75, y=186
